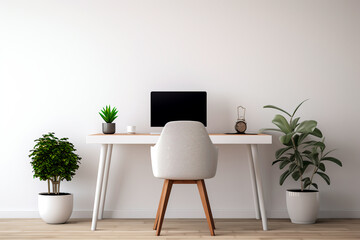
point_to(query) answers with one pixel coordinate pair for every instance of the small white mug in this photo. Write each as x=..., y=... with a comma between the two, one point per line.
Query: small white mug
x=131, y=129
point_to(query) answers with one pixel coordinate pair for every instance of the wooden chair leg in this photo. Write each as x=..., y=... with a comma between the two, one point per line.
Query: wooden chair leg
x=160, y=204
x=206, y=205
x=167, y=187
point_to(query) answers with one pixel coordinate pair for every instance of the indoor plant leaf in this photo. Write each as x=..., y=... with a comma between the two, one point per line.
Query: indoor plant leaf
x=285, y=139
x=317, y=133
x=305, y=165
x=276, y=161
x=306, y=126
x=325, y=177
x=294, y=123
x=284, y=176
x=274, y=107
x=315, y=185
x=332, y=159
x=281, y=123
x=281, y=151
x=307, y=182
x=283, y=164
x=321, y=145
x=298, y=107
x=328, y=153
x=292, y=167
x=296, y=175
x=302, y=138
x=299, y=159
x=281, y=160
x=269, y=129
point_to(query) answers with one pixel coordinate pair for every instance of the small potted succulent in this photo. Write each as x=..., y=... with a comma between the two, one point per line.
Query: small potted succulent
x=303, y=157
x=54, y=160
x=109, y=115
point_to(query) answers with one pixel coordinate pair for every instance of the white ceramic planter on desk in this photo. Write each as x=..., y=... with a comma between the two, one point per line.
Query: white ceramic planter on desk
x=303, y=207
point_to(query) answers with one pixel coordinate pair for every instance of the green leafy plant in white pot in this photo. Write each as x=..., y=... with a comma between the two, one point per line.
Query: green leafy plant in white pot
x=54, y=160
x=303, y=157
x=108, y=114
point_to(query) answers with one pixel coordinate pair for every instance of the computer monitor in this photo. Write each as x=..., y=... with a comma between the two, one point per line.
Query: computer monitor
x=175, y=106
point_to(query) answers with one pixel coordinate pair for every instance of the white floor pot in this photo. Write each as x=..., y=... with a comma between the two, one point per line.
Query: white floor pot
x=55, y=208
x=303, y=207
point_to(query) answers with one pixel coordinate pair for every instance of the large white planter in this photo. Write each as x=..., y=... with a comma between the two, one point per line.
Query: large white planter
x=303, y=207
x=55, y=208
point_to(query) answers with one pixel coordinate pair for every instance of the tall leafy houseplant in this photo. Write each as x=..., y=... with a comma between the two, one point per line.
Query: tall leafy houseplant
x=54, y=160
x=301, y=157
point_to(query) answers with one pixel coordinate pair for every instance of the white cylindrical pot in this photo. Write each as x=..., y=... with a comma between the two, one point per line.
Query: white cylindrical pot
x=303, y=207
x=55, y=208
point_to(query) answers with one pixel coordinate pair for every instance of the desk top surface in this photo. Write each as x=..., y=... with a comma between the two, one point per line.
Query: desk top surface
x=146, y=138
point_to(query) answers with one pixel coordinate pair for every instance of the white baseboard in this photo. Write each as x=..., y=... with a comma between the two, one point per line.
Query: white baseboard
x=195, y=213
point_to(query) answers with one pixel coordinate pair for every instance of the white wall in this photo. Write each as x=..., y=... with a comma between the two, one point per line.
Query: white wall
x=62, y=61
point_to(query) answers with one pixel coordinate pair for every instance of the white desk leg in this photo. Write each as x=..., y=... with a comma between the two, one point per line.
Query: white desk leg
x=254, y=151
x=253, y=183
x=105, y=181
x=99, y=185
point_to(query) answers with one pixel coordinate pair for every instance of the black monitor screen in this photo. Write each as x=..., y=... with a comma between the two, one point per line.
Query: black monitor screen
x=175, y=106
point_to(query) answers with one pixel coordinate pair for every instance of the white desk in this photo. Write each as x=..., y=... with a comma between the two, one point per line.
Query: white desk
x=108, y=140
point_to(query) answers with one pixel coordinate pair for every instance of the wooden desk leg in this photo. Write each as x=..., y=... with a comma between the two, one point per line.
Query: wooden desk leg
x=254, y=151
x=253, y=183
x=105, y=180
x=103, y=151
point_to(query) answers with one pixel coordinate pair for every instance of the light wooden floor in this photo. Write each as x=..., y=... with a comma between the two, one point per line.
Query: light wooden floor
x=179, y=229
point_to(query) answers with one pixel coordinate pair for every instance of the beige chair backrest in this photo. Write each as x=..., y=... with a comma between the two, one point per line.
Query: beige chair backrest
x=184, y=152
